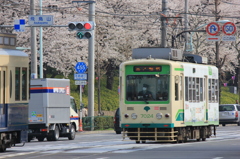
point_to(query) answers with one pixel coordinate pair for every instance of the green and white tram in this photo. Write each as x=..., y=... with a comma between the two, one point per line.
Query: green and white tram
x=164, y=99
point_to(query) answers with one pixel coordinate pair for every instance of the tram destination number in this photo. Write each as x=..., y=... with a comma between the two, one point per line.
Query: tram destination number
x=146, y=115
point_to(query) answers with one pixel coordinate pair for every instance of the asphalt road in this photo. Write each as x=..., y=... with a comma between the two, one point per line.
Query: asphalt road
x=108, y=145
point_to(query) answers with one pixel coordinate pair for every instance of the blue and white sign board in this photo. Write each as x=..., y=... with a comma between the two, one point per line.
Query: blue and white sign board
x=19, y=25
x=80, y=76
x=40, y=20
x=80, y=82
x=229, y=38
x=81, y=67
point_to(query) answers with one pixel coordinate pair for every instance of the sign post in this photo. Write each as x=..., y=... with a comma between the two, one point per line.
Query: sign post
x=81, y=79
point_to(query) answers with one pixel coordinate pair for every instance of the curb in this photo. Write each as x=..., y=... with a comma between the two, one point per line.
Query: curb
x=96, y=132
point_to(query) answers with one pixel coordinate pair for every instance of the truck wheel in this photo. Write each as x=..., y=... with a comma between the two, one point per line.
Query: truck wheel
x=40, y=138
x=2, y=147
x=118, y=132
x=238, y=123
x=55, y=134
x=49, y=138
x=72, y=133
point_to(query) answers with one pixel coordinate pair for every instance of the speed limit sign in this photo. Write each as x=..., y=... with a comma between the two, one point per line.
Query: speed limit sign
x=229, y=28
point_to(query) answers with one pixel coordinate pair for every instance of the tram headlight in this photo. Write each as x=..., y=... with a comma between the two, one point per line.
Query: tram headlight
x=167, y=115
x=134, y=116
x=126, y=115
x=159, y=115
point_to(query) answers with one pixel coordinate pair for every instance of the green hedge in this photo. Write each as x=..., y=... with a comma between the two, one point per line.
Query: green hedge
x=100, y=122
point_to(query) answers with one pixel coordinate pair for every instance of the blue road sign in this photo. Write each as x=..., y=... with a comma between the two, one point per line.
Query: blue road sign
x=40, y=20
x=213, y=28
x=80, y=76
x=81, y=67
x=19, y=25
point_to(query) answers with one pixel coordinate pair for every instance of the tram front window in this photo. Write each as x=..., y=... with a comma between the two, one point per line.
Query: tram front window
x=147, y=87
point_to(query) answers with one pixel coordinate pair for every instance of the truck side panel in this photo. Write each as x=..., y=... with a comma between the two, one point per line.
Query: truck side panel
x=56, y=115
x=49, y=101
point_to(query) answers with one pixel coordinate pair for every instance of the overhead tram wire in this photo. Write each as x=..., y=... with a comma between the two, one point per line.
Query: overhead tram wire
x=125, y=15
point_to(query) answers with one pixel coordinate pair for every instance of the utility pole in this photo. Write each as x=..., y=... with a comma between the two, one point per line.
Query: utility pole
x=186, y=26
x=163, y=24
x=218, y=64
x=41, y=45
x=33, y=45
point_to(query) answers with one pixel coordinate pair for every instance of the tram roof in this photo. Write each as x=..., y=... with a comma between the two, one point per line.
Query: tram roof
x=12, y=52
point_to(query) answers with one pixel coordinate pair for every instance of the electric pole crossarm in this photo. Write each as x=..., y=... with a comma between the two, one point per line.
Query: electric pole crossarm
x=83, y=2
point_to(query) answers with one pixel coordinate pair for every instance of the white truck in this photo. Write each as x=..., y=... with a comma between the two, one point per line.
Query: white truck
x=52, y=111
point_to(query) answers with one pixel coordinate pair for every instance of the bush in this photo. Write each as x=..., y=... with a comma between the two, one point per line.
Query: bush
x=100, y=123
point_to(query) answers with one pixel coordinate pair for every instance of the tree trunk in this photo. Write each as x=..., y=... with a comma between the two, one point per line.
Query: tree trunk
x=110, y=73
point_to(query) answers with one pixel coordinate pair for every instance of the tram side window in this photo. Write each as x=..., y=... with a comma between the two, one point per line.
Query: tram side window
x=197, y=89
x=24, y=83
x=11, y=82
x=190, y=82
x=186, y=88
x=194, y=89
x=17, y=83
x=209, y=90
x=176, y=87
x=213, y=90
x=180, y=88
x=216, y=90
x=201, y=89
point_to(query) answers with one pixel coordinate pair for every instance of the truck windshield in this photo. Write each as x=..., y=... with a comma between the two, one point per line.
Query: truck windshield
x=73, y=104
x=147, y=87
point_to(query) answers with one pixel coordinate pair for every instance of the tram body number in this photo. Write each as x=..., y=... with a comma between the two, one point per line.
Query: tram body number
x=146, y=115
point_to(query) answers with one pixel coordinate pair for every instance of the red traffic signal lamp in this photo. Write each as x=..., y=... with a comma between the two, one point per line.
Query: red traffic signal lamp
x=84, y=29
x=81, y=26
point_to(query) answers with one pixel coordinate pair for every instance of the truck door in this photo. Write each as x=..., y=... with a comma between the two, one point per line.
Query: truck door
x=3, y=109
x=74, y=117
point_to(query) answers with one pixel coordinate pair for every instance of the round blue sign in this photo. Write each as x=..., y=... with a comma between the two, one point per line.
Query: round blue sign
x=81, y=67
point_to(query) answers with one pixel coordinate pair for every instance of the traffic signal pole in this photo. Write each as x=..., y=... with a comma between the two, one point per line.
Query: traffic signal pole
x=91, y=62
x=91, y=70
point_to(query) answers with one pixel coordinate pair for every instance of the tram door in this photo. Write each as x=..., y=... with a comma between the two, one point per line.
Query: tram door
x=3, y=115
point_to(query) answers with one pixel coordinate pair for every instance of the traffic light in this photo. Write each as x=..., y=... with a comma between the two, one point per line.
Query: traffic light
x=84, y=29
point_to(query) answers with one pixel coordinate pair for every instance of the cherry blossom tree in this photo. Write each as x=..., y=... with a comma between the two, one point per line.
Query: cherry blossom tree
x=121, y=25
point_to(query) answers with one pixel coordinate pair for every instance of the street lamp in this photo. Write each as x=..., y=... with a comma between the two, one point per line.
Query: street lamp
x=190, y=44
